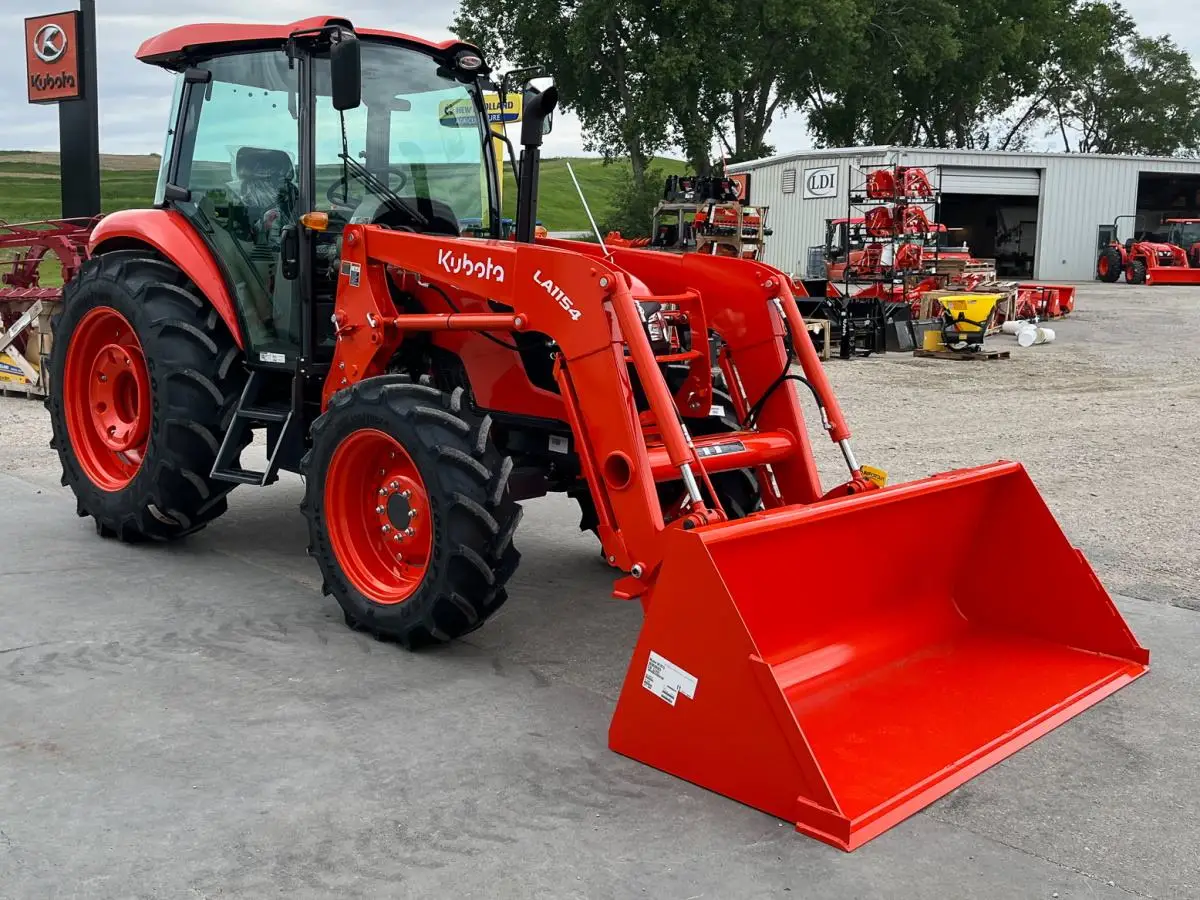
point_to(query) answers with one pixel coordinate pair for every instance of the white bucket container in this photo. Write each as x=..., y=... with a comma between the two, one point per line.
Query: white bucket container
x=1044, y=336
x=1027, y=336
x=1013, y=326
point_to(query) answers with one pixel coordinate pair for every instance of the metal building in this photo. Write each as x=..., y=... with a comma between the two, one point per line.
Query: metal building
x=1040, y=215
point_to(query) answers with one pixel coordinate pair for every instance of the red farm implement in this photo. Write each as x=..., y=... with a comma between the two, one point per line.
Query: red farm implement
x=35, y=258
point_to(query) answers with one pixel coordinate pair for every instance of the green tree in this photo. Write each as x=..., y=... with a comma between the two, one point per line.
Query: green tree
x=934, y=74
x=631, y=208
x=647, y=75
x=601, y=53
x=1105, y=88
x=1142, y=96
x=727, y=69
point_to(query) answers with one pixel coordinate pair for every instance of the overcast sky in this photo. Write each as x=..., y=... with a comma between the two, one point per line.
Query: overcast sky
x=134, y=97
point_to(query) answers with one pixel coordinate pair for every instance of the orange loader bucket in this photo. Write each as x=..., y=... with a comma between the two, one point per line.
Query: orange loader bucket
x=844, y=694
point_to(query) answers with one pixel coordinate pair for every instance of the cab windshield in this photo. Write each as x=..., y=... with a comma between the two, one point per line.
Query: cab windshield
x=1185, y=234
x=413, y=152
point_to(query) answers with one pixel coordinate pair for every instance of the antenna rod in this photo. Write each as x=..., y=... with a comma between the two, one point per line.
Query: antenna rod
x=587, y=209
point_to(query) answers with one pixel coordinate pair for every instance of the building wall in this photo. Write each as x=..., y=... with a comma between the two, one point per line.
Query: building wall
x=796, y=223
x=1078, y=193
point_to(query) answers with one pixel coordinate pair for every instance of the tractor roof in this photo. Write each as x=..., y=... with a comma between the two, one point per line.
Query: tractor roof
x=170, y=48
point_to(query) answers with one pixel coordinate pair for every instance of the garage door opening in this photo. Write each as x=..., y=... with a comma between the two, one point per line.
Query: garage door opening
x=1164, y=197
x=995, y=226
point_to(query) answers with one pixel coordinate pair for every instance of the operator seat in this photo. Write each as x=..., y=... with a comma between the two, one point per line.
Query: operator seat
x=267, y=182
x=267, y=191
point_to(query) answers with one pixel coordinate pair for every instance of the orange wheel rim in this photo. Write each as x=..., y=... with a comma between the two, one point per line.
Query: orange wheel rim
x=106, y=395
x=1104, y=265
x=378, y=517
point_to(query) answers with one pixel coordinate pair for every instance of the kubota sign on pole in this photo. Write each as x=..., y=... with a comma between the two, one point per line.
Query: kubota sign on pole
x=60, y=63
x=52, y=57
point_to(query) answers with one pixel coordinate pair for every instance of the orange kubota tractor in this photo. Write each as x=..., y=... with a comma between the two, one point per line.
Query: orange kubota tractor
x=312, y=283
x=1147, y=261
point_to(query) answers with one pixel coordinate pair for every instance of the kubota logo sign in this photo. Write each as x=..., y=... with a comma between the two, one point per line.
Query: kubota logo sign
x=50, y=42
x=52, y=57
x=548, y=285
x=461, y=263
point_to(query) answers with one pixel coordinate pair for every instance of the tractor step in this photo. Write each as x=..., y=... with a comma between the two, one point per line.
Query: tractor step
x=240, y=476
x=252, y=412
x=272, y=414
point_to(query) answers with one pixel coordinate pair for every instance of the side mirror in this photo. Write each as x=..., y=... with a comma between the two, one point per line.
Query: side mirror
x=345, y=71
x=537, y=114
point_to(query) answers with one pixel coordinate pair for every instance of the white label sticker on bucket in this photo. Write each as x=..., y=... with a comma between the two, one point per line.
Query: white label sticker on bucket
x=667, y=680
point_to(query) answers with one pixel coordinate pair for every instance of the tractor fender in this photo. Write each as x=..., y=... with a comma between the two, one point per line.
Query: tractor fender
x=172, y=235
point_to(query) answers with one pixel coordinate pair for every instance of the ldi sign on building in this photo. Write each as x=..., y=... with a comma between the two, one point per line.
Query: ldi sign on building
x=820, y=183
x=52, y=57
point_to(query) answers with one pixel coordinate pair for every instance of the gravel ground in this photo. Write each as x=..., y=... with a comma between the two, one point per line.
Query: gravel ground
x=1103, y=418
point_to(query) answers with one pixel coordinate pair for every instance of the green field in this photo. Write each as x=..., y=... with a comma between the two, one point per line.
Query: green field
x=29, y=187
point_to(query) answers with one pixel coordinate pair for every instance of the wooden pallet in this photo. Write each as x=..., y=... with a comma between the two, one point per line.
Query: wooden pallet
x=35, y=318
x=963, y=354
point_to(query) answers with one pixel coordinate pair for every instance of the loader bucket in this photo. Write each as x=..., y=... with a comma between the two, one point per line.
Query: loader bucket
x=780, y=666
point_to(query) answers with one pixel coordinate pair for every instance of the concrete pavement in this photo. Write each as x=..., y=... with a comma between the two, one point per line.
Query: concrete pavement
x=196, y=721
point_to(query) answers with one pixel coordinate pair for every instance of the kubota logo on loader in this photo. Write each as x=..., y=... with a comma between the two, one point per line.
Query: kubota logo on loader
x=461, y=264
x=548, y=285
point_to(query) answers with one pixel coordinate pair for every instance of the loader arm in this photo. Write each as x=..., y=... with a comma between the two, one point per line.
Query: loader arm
x=586, y=305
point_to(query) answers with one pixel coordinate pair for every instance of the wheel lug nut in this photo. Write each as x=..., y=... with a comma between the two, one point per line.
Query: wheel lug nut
x=408, y=532
x=412, y=514
x=405, y=494
x=398, y=538
x=383, y=492
x=379, y=510
x=386, y=529
x=394, y=485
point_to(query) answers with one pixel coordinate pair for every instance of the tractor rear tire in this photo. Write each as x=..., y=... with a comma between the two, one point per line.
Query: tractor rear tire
x=1135, y=273
x=143, y=376
x=1108, y=266
x=409, y=514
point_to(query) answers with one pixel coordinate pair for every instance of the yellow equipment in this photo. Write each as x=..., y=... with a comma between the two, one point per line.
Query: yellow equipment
x=966, y=319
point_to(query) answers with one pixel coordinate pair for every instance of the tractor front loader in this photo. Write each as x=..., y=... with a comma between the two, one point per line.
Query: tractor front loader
x=312, y=284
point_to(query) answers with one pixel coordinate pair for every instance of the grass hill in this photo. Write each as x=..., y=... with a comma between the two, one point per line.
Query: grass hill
x=29, y=186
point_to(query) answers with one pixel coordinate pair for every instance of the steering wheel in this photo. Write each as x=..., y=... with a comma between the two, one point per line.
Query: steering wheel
x=334, y=193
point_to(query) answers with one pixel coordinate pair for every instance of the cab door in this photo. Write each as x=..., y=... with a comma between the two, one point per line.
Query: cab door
x=236, y=153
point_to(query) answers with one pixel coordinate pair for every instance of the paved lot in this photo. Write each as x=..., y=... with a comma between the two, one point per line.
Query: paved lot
x=195, y=720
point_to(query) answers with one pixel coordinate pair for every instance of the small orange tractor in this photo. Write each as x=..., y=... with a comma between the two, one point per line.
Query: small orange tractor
x=1146, y=261
x=302, y=275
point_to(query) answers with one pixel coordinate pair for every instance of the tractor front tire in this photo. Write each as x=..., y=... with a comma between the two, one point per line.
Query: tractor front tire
x=409, y=514
x=143, y=374
x=1135, y=273
x=1108, y=266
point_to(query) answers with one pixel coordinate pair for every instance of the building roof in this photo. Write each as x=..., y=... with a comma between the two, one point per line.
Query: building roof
x=1032, y=156
x=162, y=49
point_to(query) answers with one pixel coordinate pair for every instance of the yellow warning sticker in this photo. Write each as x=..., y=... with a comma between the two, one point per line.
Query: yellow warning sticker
x=875, y=476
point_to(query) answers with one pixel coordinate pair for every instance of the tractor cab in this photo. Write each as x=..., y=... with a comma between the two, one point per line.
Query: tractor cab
x=279, y=140
x=1185, y=234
